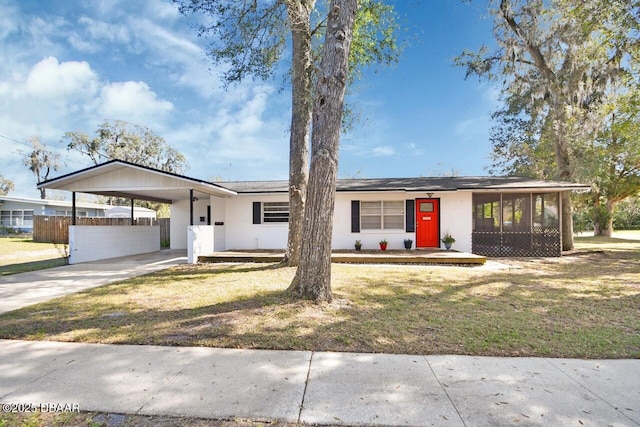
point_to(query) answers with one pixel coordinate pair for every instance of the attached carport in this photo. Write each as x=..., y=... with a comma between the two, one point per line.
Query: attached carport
x=189, y=198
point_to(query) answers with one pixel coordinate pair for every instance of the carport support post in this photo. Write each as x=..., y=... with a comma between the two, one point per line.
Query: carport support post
x=191, y=207
x=73, y=208
x=132, y=211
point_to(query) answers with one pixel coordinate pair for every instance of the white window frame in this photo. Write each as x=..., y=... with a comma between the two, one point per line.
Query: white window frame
x=27, y=222
x=79, y=214
x=16, y=218
x=5, y=215
x=384, y=214
x=275, y=212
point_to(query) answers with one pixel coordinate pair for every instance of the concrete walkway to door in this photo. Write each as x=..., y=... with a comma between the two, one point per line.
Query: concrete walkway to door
x=19, y=290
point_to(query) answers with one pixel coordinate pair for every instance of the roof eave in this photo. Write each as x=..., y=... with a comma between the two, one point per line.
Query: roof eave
x=577, y=188
x=59, y=182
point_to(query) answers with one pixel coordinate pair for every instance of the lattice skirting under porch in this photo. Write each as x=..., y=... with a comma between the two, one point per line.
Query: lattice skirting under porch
x=541, y=242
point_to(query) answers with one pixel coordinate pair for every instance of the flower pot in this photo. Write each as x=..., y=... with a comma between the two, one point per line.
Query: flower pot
x=358, y=247
x=408, y=244
x=383, y=246
x=447, y=246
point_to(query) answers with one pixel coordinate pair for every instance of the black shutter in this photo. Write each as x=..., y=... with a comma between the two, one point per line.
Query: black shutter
x=257, y=213
x=410, y=216
x=355, y=216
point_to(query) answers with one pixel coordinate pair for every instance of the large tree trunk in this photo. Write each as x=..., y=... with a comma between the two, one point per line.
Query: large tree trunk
x=597, y=226
x=611, y=208
x=567, y=222
x=299, y=18
x=313, y=277
x=603, y=221
x=565, y=172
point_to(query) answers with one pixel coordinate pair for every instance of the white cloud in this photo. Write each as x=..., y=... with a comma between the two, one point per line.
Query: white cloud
x=248, y=120
x=8, y=19
x=52, y=79
x=54, y=97
x=82, y=44
x=99, y=30
x=161, y=10
x=154, y=31
x=244, y=133
x=165, y=39
x=243, y=141
x=43, y=32
x=134, y=102
x=47, y=98
x=92, y=35
x=461, y=128
x=415, y=150
x=383, y=151
x=185, y=60
x=491, y=94
x=69, y=68
x=472, y=128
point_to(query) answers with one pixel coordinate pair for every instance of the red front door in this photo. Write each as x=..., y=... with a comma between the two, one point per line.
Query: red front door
x=427, y=223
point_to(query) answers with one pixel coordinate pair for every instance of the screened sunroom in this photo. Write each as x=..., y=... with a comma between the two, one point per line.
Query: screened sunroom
x=516, y=224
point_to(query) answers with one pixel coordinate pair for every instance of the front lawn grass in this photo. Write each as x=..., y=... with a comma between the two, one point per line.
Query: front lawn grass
x=19, y=255
x=583, y=305
x=102, y=419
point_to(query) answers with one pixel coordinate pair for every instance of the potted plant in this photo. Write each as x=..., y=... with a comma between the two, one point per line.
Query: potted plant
x=383, y=244
x=358, y=245
x=448, y=240
x=408, y=243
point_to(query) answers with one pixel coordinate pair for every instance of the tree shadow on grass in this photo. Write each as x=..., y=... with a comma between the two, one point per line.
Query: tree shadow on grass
x=518, y=311
x=188, y=271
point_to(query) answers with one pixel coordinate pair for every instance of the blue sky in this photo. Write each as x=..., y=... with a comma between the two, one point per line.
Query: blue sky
x=69, y=65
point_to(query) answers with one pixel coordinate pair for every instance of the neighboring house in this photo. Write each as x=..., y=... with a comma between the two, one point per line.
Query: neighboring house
x=125, y=212
x=17, y=213
x=496, y=216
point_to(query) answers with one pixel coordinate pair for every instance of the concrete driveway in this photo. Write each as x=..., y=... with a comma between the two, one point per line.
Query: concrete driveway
x=19, y=290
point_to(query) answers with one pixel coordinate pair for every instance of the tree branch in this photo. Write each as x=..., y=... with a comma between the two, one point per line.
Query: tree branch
x=534, y=50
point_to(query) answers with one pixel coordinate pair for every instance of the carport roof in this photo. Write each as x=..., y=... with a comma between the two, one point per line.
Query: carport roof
x=118, y=178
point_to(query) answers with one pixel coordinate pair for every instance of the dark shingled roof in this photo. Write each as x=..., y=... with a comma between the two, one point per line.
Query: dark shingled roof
x=256, y=186
x=413, y=184
x=422, y=184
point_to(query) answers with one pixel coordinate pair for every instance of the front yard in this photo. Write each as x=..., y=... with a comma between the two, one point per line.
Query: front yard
x=583, y=305
x=18, y=255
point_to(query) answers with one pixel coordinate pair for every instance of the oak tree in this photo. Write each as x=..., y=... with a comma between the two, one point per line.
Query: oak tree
x=561, y=56
x=313, y=276
x=6, y=186
x=41, y=161
x=249, y=39
x=122, y=140
x=612, y=160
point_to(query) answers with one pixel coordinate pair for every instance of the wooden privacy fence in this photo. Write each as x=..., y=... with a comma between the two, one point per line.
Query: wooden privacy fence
x=165, y=231
x=55, y=229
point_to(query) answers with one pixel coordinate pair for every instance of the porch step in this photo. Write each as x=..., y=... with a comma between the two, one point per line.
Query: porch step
x=357, y=257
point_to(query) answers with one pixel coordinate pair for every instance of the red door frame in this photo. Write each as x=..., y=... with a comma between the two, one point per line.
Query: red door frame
x=428, y=225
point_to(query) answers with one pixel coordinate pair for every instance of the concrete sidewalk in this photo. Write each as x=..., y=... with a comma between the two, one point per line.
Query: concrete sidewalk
x=321, y=387
x=19, y=290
